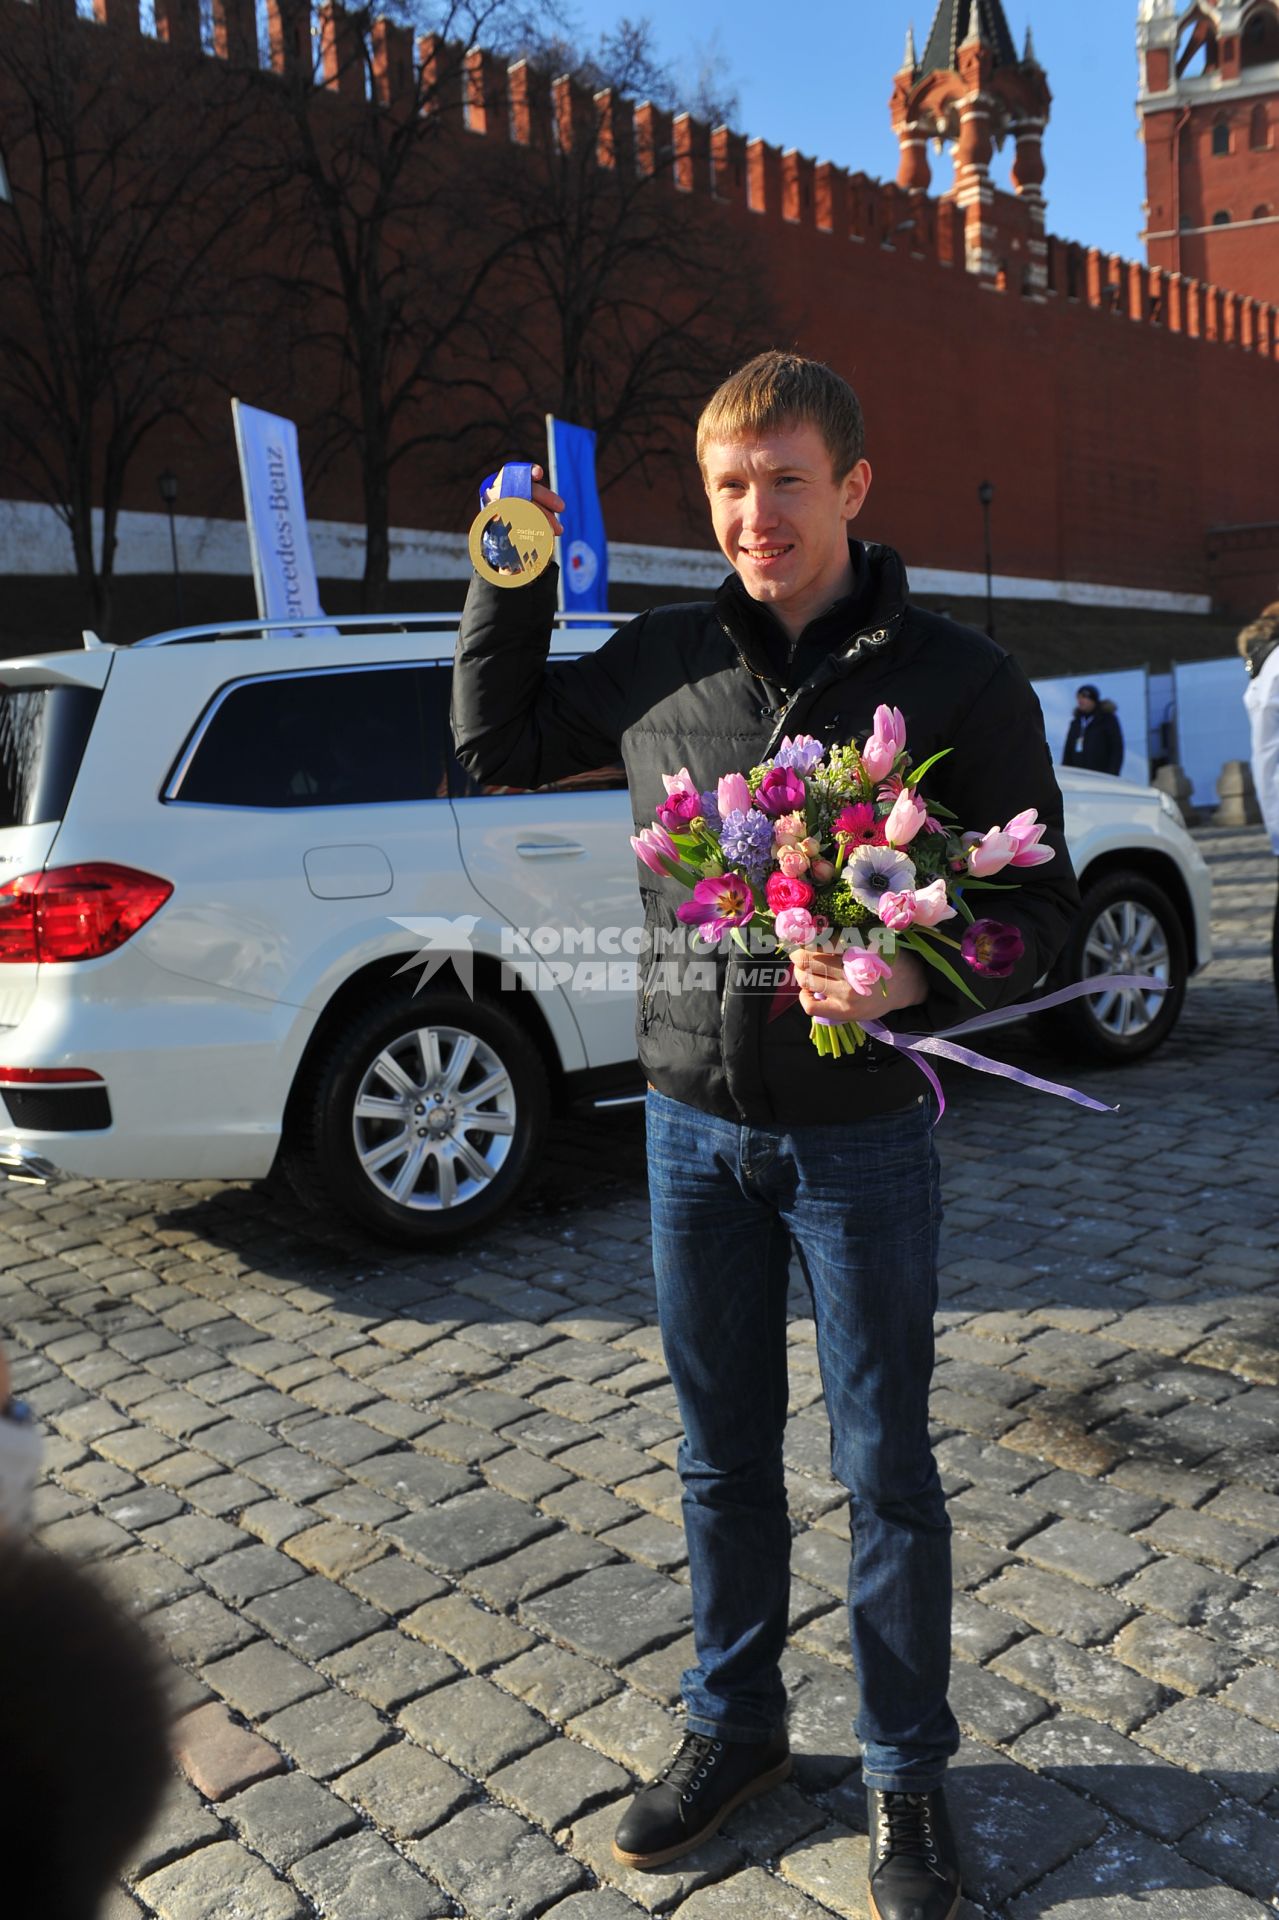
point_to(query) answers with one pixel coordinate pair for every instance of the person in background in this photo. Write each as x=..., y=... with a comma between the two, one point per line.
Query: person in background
x=1095, y=740
x=1259, y=645
x=84, y=1758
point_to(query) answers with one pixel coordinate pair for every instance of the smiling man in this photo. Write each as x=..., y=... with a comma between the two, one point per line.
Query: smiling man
x=757, y=1146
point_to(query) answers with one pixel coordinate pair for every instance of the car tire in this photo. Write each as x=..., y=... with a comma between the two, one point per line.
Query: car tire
x=1126, y=924
x=390, y=1128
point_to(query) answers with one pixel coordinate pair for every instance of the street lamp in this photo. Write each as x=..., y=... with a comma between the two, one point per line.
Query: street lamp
x=167, y=482
x=986, y=493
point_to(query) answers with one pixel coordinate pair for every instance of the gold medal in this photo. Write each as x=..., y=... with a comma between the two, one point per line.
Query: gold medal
x=512, y=542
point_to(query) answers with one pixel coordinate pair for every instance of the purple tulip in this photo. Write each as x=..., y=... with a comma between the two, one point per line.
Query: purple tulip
x=780, y=791
x=993, y=948
x=717, y=906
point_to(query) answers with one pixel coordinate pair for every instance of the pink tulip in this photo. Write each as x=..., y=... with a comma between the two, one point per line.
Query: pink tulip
x=906, y=819
x=887, y=740
x=1026, y=832
x=897, y=910
x=732, y=795
x=795, y=927
x=863, y=971
x=793, y=862
x=988, y=853
x=654, y=847
x=931, y=905
x=822, y=871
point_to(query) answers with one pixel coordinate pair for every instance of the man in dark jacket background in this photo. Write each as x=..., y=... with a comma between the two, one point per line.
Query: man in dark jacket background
x=756, y=1144
x=1094, y=739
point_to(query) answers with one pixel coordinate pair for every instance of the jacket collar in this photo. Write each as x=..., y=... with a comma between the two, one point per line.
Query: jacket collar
x=866, y=617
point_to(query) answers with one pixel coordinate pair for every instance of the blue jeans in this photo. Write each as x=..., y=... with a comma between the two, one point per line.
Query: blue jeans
x=861, y=1203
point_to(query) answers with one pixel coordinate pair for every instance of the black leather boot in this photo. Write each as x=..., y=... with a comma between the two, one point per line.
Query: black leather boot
x=914, y=1870
x=697, y=1789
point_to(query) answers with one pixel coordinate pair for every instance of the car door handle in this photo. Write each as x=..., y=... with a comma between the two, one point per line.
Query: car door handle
x=547, y=849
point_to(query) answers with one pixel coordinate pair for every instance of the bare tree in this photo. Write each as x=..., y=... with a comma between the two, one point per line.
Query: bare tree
x=626, y=294
x=113, y=274
x=379, y=263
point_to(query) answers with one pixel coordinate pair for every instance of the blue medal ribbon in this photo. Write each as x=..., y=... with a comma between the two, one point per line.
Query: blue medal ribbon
x=514, y=481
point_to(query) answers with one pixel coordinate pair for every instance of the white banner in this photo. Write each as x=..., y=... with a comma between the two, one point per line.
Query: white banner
x=275, y=510
x=1127, y=690
x=1212, y=721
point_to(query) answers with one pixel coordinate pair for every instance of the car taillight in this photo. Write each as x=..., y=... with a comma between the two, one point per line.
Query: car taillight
x=76, y=913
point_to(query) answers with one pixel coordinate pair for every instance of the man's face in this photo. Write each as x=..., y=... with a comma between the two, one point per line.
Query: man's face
x=782, y=517
x=1085, y=702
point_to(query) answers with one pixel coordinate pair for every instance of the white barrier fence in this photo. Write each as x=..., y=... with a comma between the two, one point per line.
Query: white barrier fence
x=1194, y=715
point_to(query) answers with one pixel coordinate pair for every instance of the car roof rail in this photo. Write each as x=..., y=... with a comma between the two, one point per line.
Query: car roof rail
x=333, y=624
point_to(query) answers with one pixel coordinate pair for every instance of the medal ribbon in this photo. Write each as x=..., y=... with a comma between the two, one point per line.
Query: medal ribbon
x=514, y=481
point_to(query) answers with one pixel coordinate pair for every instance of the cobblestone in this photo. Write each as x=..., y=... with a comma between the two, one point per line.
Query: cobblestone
x=274, y=1447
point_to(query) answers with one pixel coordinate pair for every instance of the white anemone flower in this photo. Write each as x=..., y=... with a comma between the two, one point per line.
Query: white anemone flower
x=874, y=871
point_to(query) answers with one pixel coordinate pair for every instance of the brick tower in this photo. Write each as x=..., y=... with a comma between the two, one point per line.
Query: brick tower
x=1209, y=105
x=971, y=90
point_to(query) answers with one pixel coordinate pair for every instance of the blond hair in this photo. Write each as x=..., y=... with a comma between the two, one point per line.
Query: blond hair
x=776, y=390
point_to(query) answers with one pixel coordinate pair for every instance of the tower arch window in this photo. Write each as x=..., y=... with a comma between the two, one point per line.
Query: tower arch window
x=1263, y=213
x=1221, y=219
x=1260, y=36
x=1197, y=47
x=1259, y=127
x=1221, y=137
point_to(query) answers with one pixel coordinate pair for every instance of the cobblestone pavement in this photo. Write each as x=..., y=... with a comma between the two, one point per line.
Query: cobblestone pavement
x=410, y=1527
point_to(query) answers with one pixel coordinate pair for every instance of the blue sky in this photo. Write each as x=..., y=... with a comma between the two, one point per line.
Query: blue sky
x=817, y=74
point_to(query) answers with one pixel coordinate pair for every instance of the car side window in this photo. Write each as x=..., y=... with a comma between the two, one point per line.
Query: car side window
x=324, y=738
x=599, y=780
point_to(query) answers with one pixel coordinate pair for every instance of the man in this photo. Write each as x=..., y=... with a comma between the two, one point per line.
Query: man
x=1259, y=645
x=755, y=1143
x=1095, y=739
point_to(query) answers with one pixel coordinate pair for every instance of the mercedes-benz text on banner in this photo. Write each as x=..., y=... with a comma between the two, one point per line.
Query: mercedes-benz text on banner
x=274, y=507
x=583, y=547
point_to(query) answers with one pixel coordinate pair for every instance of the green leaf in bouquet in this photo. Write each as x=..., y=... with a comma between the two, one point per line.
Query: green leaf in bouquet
x=916, y=774
x=926, y=953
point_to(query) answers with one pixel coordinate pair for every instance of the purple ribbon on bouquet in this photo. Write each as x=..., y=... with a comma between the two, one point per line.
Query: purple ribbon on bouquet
x=941, y=1044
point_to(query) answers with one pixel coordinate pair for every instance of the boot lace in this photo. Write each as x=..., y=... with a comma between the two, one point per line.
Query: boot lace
x=905, y=1827
x=691, y=1762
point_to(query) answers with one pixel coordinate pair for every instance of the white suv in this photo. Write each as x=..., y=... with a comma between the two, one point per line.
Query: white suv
x=251, y=908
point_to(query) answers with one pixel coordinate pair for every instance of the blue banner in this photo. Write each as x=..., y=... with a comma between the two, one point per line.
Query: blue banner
x=583, y=545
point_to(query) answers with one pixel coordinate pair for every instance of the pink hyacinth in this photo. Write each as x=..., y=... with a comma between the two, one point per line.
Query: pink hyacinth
x=906, y=819
x=732, y=795
x=887, y=740
x=654, y=847
x=1026, y=831
x=863, y=970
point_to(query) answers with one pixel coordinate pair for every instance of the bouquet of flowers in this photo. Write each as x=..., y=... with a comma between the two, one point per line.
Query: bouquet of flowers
x=839, y=847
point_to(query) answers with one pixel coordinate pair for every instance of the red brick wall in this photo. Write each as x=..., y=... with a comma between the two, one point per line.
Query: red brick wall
x=1119, y=419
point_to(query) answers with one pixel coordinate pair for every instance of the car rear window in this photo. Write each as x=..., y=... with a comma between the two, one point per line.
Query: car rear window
x=347, y=737
x=43, y=735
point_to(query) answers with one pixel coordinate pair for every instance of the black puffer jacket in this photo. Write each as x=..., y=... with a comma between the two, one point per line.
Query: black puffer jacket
x=689, y=686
